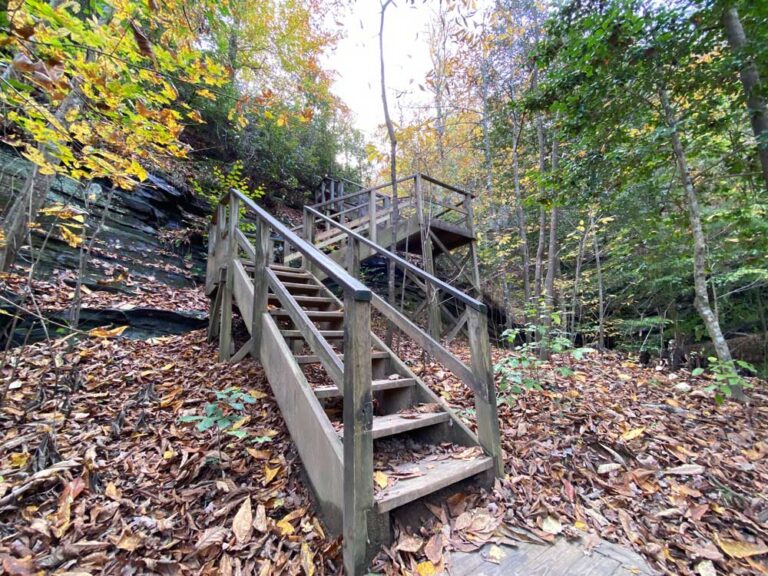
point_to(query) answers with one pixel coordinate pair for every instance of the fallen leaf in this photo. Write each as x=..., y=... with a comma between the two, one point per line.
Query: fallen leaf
x=739, y=549
x=686, y=470
x=608, y=468
x=496, y=554
x=107, y=333
x=112, y=492
x=307, y=560
x=551, y=525
x=426, y=568
x=129, y=542
x=213, y=536
x=706, y=568
x=381, y=479
x=632, y=434
x=270, y=473
x=242, y=524
x=409, y=543
x=434, y=549
x=260, y=522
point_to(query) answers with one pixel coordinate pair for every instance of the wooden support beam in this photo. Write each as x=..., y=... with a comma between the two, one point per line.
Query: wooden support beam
x=214, y=316
x=372, y=218
x=433, y=322
x=454, y=331
x=240, y=355
x=225, y=333
x=358, y=437
x=485, y=396
x=352, y=257
x=309, y=236
x=260, y=286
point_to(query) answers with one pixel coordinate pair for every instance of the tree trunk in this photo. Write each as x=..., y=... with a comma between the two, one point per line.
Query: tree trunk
x=31, y=198
x=750, y=79
x=392, y=168
x=701, y=301
x=577, y=280
x=600, y=288
x=552, y=261
x=521, y=224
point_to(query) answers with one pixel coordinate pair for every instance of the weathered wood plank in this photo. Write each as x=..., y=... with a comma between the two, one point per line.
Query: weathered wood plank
x=358, y=440
x=485, y=394
x=376, y=386
x=242, y=290
x=311, y=431
x=225, y=333
x=261, y=256
x=394, y=424
x=435, y=475
x=313, y=359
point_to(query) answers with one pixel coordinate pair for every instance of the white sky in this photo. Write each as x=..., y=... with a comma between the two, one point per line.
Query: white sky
x=356, y=59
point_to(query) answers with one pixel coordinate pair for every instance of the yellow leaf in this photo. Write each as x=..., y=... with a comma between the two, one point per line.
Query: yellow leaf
x=632, y=434
x=286, y=528
x=112, y=492
x=739, y=549
x=270, y=473
x=195, y=115
x=381, y=479
x=240, y=423
x=579, y=525
x=307, y=560
x=19, y=459
x=107, y=333
x=259, y=454
x=167, y=367
x=70, y=237
x=168, y=454
x=205, y=93
x=426, y=568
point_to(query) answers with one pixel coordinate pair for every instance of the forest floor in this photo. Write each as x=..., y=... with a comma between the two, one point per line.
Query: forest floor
x=100, y=475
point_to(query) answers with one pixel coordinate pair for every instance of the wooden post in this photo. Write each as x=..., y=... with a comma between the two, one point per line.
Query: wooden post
x=473, y=243
x=433, y=306
x=225, y=334
x=353, y=257
x=358, y=439
x=485, y=400
x=260, y=285
x=372, y=229
x=309, y=236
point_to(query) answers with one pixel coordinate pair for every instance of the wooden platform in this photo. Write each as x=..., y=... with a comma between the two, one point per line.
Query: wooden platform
x=560, y=559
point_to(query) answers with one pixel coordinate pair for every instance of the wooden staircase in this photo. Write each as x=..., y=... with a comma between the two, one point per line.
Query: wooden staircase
x=371, y=434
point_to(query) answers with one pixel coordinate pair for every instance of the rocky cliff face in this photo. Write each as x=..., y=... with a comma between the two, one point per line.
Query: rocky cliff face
x=149, y=254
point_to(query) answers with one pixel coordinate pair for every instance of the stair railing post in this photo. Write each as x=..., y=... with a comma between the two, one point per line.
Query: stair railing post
x=225, y=334
x=352, y=257
x=309, y=236
x=485, y=399
x=372, y=228
x=261, y=260
x=358, y=439
x=433, y=305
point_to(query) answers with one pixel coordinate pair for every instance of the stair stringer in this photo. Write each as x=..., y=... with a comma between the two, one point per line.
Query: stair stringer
x=317, y=442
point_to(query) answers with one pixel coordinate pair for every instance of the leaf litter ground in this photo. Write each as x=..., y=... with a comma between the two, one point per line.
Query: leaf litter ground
x=99, y=476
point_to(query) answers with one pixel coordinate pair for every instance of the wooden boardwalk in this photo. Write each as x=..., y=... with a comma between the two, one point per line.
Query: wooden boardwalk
x=561, y=559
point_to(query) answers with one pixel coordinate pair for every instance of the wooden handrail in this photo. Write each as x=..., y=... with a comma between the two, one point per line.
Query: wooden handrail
x=439, y=284
x=318, y=259
x=447, y=186
x=365, y=191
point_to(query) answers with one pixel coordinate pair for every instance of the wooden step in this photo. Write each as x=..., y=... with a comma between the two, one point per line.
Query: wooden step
x=435, y=475
x=312, y=359
x=303, y=277
x=294, y=287
x=304, y=299
x=280, y=268
x=315, y=314
x=394, y=424
x=376, y=386
x=327, y=334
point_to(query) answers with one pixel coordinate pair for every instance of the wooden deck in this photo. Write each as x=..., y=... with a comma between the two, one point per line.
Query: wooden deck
x=561, y=559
